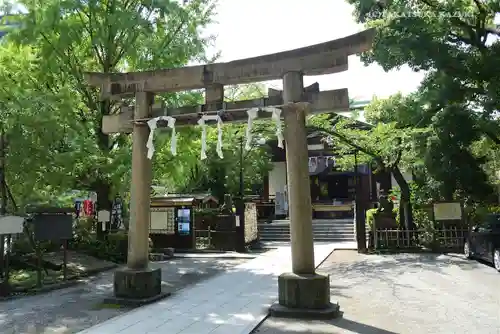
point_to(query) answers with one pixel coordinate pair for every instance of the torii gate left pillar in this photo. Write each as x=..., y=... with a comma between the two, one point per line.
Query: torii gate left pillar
x=137, y=281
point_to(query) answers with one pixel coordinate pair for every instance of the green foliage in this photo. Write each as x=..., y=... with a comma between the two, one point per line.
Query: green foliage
x=61, y=39
x=371, y=215
x=53, y=118
x=456, y=104
x=207, y=212
x=427, y=234
x=370, y=218
x=420, y=195
x=114, y=247
x=423, y=219
x=221, y=176
x=479, y=213
x=40, y=128
x=384, y=144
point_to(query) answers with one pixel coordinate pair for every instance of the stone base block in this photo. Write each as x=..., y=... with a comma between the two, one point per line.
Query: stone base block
x=306, y=296
x=136, y=302
x=330, y=312
x=137, y=284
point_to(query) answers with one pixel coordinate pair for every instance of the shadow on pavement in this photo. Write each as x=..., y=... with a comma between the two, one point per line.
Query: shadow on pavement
x=357, y=327
x=73, y=309
x=336, y=290
x=339, y=325
x=372, y=266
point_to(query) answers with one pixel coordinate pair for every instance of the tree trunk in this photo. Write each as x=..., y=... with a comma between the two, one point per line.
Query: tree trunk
x=405, y=216
x=219, y=188
x=384, y=180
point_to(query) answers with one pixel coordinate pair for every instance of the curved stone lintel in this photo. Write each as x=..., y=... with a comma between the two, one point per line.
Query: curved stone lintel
x=324, y=58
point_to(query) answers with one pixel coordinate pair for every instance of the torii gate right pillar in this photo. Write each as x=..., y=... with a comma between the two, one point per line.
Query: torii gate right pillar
x=302, y=293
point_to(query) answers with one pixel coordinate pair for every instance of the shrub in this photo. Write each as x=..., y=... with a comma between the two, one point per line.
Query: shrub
x=477, y=214
x=372, y=213
x=370, y=218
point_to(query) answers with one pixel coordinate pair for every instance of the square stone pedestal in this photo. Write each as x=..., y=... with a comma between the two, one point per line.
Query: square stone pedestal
x=304, y=296
x=137, y=287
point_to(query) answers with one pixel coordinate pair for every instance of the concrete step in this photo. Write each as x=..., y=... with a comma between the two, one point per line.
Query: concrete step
x=317, y=225
x=275, y=239
x=315, y=228
x=320, y=238
x=316, y=221
x=316, y=236
x=331, y=230
x=323, y=234
x=334, y=221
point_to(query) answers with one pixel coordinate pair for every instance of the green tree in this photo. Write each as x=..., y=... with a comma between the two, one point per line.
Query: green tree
x=70, y=37
x=221, y=176
x=454, y=43
x=39, y=125
x=384, y=146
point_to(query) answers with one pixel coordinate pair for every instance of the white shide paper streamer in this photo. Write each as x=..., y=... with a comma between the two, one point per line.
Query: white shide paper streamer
x=202, y=123
x=276, y=116
x=152, y=123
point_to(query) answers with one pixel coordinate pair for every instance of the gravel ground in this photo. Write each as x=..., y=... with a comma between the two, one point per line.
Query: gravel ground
x=405, y=293
x=74, y=309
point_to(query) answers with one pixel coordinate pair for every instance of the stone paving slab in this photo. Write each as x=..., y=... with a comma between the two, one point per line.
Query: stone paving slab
x=404, y=293
x=74, y=309
x=232, y=303
x=227, y=255
x=79, y=262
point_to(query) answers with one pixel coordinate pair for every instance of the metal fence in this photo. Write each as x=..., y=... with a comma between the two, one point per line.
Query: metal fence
x=444, y=239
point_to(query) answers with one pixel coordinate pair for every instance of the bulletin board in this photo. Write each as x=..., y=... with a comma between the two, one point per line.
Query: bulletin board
x=447, y=211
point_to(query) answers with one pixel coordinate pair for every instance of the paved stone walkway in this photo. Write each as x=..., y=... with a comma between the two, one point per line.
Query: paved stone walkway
x=231, y=303
x=74, y=309
x=405, y=293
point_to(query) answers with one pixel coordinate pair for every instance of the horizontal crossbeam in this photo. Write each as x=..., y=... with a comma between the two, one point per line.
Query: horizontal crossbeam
x=320, y=102
x=324, y=58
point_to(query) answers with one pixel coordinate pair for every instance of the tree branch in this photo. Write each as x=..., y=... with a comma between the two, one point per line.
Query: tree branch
x=349, y=142
x=94, y=46
x=493, y=137
x=126, y=45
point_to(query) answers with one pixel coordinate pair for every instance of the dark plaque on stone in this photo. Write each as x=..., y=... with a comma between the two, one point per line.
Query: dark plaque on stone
x=53, y=226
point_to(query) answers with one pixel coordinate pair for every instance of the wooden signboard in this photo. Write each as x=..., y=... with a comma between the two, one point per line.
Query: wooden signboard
x=447, y=211
x=53, y=226
x=11, y=225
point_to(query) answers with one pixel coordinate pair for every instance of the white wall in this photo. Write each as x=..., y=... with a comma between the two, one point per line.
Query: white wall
x=406, y=175
x=277, y=178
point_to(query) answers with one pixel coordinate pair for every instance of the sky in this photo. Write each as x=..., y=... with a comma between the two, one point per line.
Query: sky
x=253, y=28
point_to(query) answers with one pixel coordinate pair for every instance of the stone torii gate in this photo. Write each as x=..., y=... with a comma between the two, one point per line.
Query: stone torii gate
x=304, y=289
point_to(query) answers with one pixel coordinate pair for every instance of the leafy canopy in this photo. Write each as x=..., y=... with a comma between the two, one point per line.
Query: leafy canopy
x=67, y=38
x=454, y=42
